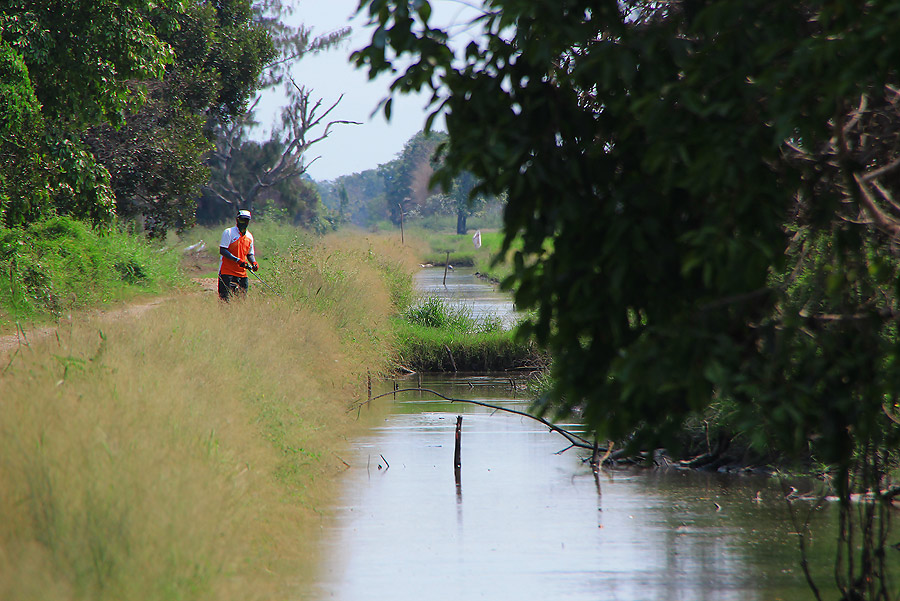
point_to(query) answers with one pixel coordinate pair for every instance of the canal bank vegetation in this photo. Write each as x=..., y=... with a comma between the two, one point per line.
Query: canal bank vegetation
x=187, y=454
x=461, y=248
x=433, y=335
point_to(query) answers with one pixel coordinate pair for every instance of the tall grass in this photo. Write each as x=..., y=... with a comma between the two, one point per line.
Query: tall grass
x=58, y=264
x=187, y=454
x=350, y=259
x=432, y=312
x=270, y=239
x=436, y=336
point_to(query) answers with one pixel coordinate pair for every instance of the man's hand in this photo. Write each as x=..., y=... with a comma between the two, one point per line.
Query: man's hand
x=255, y=266
x=243, y=264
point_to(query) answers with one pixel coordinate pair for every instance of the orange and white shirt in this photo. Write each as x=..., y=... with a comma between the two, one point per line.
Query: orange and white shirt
x=238, y=245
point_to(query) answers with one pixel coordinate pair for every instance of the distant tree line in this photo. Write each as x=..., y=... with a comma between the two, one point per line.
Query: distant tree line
x=112, y=109
x=406, y=184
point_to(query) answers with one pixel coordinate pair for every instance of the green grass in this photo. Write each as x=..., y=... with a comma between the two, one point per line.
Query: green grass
x=443, y=222
x=271, y=239
x=432, y=312
x=429, y=349
x=435, y=336
x=59, y=264
x=463, y=252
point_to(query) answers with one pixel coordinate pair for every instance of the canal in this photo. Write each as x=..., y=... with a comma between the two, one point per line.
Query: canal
x=528, y=520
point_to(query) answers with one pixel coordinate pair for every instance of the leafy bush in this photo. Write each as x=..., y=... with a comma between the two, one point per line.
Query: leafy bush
x=59, y=263
x=23, y=194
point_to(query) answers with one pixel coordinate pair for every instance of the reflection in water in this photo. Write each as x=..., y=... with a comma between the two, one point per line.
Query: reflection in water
x=464, y=289
x=530, y=523
x=533, y=523
x=457, y=463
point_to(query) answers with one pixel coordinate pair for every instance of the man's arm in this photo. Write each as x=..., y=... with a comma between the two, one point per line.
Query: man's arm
x=227, y=254
x=252, y=260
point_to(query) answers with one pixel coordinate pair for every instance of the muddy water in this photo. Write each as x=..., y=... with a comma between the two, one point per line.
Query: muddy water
x=527, y=521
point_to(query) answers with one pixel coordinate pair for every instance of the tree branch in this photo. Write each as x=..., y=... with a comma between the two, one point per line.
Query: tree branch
x=574, y=439
x=299, y=118
x=857, y=114
x=881, y=219
x=882, y=170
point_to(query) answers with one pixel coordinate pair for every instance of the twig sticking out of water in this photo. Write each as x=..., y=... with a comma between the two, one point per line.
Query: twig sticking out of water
x=457, y=461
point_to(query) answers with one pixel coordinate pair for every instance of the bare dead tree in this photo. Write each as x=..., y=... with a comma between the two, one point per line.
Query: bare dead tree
x=303, y=125
x=229, y=137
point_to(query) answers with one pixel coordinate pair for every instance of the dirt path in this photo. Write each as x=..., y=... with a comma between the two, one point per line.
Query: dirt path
x=9, y=343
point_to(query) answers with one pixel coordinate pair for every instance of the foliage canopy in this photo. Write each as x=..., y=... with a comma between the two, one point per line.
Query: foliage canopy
x=121, y=97
x=718, y=178
x=661, y=148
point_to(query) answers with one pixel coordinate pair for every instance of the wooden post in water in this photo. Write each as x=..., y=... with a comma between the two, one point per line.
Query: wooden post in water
x=457, y=461
x=595, y=466
x=446, y=266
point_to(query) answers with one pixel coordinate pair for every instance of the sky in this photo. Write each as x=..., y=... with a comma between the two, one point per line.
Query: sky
x=353, y=148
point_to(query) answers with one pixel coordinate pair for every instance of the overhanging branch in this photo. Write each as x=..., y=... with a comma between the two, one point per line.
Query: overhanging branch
x=574, y=439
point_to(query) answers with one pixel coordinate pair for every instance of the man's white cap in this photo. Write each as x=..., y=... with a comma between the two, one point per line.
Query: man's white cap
x=243, y=215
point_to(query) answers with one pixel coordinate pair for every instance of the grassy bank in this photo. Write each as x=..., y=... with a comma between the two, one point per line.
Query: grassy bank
x=463, y=252
x=271, y=239
x=434, y=336
x=59, y=265
x=186, y=454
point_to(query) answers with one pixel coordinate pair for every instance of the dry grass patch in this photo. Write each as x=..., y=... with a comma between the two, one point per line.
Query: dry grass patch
x=187, y=454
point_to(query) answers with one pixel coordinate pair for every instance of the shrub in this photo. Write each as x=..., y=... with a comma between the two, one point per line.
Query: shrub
x=58, y=264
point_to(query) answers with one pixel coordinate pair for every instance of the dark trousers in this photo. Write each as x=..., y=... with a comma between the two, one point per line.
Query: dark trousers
x=231, y=284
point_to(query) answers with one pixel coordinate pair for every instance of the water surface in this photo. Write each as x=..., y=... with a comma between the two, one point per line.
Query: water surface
x=463, y=288
x=529, y=520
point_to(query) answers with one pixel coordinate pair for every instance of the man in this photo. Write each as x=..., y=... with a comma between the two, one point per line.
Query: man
x=236, y=250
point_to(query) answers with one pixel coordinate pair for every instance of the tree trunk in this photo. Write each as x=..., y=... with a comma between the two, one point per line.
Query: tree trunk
x=461, y=222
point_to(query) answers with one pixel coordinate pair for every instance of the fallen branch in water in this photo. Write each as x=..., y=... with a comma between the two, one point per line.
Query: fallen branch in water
x=574, y=439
